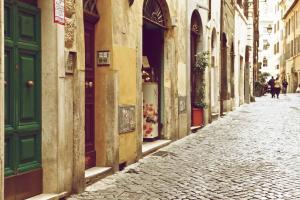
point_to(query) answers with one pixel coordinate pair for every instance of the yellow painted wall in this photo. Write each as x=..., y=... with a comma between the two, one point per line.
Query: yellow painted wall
x=124, y=60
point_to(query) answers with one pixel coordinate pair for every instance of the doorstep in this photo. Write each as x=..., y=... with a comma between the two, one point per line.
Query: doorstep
x=214, y=116
x=49, y=196
x=150, y=147
x=94, y=174
x=194, y=129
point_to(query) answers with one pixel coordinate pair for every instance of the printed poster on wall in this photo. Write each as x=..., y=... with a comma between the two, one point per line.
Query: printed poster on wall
x=59, y=11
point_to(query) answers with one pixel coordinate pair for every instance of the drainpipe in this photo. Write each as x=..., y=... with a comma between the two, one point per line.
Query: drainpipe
x=221, y=57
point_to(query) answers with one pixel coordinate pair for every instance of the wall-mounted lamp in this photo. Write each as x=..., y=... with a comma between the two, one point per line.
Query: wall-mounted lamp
x=130, y=2
x=269, y=29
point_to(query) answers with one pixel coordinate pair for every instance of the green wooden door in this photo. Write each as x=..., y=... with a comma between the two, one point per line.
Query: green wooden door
x=22, y=88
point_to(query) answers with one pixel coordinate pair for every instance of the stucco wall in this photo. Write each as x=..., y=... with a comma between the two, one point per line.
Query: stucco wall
x=214, y=83
x=240, y=43
x=63, y=97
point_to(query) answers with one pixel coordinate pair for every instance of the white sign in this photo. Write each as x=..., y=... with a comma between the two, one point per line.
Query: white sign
x=59, y=11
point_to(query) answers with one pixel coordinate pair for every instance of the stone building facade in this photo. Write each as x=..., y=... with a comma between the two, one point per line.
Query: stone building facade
x=215, y=61
x=89, y=75
x=227, y=55
x=291, y=69
x=243, y=42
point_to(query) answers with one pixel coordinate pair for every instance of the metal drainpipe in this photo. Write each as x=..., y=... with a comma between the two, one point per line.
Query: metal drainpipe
x=222, y=59
x=294, y=32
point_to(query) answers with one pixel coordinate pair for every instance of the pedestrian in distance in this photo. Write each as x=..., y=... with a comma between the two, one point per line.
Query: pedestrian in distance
x=298, y=89
x=271, y=83
x=284, y=86
x=277, y=87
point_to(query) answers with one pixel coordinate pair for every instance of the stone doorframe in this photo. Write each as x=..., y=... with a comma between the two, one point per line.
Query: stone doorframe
x=170, y=98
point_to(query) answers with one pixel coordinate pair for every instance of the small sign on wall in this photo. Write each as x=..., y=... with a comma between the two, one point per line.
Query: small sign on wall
x=59, y=11
x=103, y=58
x=182, y=104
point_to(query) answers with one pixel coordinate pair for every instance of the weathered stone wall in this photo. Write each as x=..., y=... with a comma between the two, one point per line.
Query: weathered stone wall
x=63, y=97
x=228, y=29
x=214, y=48
x=1, y=100
x=240, y=43
x=126, y=42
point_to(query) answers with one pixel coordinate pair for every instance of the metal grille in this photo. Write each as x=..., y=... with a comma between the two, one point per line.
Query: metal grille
x=90, y=6
x=153, y=12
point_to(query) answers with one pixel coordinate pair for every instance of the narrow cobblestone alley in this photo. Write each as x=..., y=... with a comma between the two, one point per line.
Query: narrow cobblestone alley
x=252, y=153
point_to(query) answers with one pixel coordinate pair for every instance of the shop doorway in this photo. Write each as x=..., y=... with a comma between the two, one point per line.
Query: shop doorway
x=153, y=43
x=89, y=36
x=154, y=27
x=22, y=30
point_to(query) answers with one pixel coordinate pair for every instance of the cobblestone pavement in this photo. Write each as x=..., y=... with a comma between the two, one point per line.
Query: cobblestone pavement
x=252, y=153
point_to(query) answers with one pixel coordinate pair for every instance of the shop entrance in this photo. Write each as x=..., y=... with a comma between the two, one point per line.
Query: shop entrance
x=153, y=42
x=89, y=36
x=22, y=100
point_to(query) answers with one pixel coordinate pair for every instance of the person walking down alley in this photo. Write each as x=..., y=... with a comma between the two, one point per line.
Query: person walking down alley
x=284, y=86
x=272, y=83
x=277, y=87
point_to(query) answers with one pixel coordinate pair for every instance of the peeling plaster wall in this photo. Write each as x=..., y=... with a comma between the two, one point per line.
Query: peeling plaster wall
x=126, y=42
x=63, y=97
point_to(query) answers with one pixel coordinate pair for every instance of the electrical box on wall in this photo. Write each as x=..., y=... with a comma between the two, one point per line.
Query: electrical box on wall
x=71, y=59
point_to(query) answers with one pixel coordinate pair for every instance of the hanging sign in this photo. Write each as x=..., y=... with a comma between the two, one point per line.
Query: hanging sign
x=59, y=11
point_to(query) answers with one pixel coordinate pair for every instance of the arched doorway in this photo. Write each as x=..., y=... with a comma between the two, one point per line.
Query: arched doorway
x=155, y=22
x=214, y=74
x=195, y=79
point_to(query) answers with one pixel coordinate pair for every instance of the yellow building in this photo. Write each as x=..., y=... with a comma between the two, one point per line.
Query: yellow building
x=292, y=45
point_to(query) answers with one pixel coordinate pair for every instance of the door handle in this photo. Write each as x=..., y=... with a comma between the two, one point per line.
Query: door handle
x=91, y=84
x=5, y=83
x=30, y=83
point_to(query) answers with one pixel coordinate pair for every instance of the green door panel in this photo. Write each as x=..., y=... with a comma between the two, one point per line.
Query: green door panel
x=9, y=155
x=7, y=21
x=28, y=149
x=22, y=100
x=29, y=109
x=8, y=113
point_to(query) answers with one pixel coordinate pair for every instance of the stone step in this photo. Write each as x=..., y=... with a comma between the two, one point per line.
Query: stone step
x=150, y=147
x=94, y=174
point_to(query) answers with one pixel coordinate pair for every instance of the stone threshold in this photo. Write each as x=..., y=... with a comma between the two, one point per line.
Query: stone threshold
x=94, y=174
x=214, y=116
x=194, y=129
x=49, y=196
x=150, y=147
